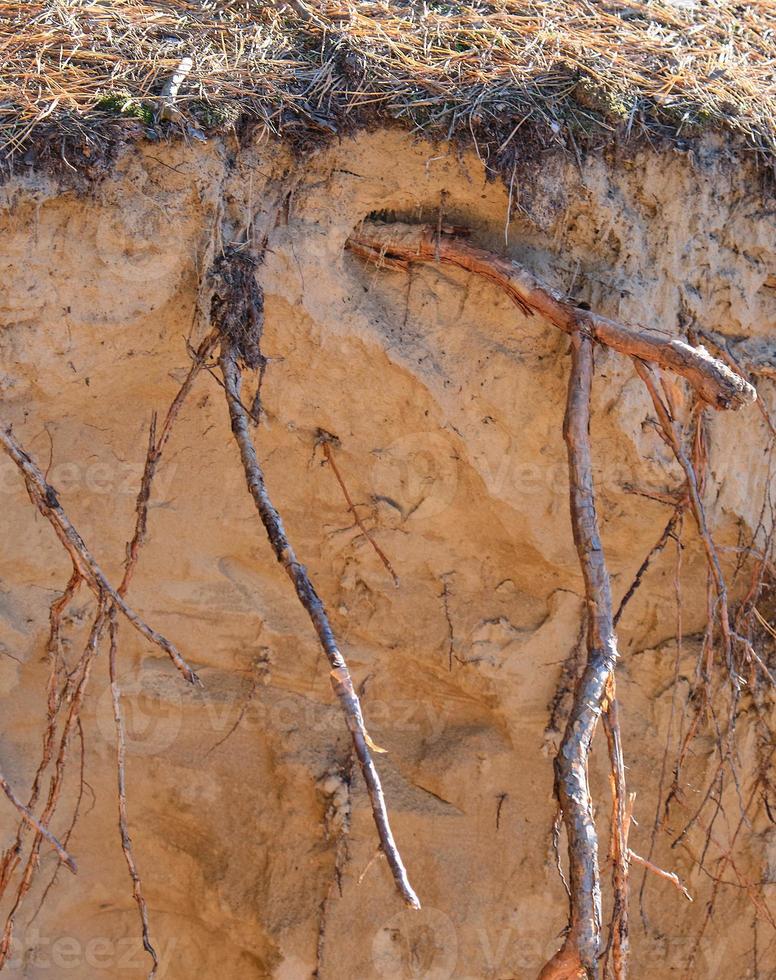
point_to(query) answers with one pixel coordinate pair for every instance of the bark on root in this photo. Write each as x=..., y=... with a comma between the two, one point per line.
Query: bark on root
x=579, y=955
x=719, y=383
x=395, y=243
x=339, y=674
x=44, y=496
x=74, y=689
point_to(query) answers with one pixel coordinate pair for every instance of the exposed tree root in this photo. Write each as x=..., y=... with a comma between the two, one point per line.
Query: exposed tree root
x=340, y=676
x=581, y=948
x=121, y=755
x=76, y=680
x=237, y=317
x=719, y=383
x=666, y=875
x=45, y=499
x=758, y=362
x=325, y=440
x=156, y=446
x=666, y=420
x=82, y=672
x=657, y=820
x=619, y=852
x=12, y=855
x=73, y=820
x=737, y=650
x=714, y=381
x=30, y=818
x=662, y=541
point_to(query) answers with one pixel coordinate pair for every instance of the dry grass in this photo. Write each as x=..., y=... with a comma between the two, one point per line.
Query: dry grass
x=574, y=70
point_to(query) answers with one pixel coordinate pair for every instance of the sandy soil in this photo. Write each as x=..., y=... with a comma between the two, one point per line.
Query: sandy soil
x=255, y=842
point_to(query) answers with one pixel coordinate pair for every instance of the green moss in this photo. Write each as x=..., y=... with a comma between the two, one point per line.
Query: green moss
x=215, y=115
x=608, y=102
x=123, y=104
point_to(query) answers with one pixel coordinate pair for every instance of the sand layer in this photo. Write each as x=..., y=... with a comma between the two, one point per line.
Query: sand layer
x=252, y=830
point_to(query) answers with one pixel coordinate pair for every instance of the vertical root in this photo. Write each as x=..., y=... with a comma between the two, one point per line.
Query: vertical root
x=82, y=672
x=53, y=704
x=339, y=674
x=325, y=440
x=580, y=952
x=74, y=689
x=694, y=490
x=121, y=758
x=618, y=851
x=73, y=820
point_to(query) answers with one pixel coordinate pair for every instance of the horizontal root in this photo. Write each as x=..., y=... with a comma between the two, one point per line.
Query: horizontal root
x=398, y=244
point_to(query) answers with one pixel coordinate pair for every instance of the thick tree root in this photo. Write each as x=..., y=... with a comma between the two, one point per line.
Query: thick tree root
x=401, y=244
x=719, y=383
x=581, y=948
x=237, y=313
